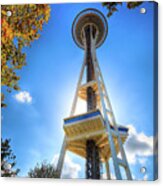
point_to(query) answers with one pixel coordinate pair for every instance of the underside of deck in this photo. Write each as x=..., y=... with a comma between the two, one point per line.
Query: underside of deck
x=80, y=128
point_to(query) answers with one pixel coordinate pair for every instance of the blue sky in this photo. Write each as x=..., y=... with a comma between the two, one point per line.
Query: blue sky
x=35, y=124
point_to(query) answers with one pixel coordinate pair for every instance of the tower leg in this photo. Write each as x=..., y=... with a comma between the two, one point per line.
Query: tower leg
x=107, y=170
x=61, y=159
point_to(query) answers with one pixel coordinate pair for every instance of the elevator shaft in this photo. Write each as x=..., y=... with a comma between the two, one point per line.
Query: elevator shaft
x=92, y=151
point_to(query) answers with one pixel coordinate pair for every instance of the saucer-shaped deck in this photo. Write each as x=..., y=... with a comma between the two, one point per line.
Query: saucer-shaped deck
x=89, y=17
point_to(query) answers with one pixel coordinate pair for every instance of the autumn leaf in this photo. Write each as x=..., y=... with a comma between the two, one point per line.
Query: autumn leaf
x=112, y=6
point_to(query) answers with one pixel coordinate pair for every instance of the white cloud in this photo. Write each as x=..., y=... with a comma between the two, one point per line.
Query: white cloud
x=23, y=97
x=70, y=169
x=104, y=176
x=138, y=146
x=133, y=177
x=142, y=160
x=145, y=177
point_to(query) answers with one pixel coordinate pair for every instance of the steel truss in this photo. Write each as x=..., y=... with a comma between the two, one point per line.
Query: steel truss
x=93, y=160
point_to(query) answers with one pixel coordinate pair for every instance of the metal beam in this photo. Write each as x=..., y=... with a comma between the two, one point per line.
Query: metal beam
x=107, y=170
x=61, y=159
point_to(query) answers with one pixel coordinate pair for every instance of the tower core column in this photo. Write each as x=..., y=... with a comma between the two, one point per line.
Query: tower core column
x=92, y=152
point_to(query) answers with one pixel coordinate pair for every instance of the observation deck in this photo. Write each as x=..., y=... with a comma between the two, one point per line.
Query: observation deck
x=89, y=17
x=78, y=129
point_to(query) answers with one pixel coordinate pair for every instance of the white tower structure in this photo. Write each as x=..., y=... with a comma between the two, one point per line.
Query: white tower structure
x=95, y=134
